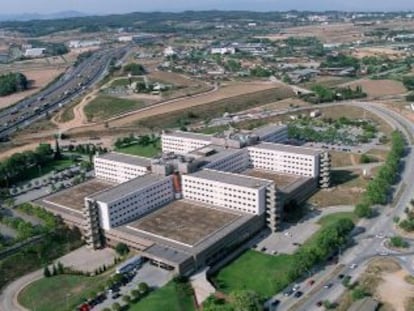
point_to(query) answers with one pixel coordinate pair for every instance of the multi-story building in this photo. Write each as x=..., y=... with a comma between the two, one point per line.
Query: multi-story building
x=232, y=191
x=126, y=202
x=119, y=168
x=183, y=142
x=285, y=159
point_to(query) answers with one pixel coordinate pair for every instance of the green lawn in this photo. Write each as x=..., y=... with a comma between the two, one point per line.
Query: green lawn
x=105, y=107
x=265, y=274
x=332, y=218
x=165, y=298
x=62, y=292
x=143, y=151
x=35, y=172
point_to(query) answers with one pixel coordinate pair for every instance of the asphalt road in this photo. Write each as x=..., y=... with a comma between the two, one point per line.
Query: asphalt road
x=370, y=244
x=67, y=88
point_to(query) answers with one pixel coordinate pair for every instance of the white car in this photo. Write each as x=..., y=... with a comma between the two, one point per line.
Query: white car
x=380, y=235
x=354, y=265
x=296, y=287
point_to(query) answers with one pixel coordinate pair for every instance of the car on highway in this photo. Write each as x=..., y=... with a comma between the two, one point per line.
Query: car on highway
x=298, y=294
x=288, y=292
x=353, y=266
x=296, y=287
x=329, y=285
x=319, y=303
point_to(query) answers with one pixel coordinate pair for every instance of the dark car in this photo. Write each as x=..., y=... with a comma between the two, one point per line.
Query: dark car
x=319, y=304
x=115, y=295
x=275, y=302
x=288, y=292
x=298, y=294
x=341, y=276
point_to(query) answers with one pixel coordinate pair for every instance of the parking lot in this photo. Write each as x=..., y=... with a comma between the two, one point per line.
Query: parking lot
x=155, y=277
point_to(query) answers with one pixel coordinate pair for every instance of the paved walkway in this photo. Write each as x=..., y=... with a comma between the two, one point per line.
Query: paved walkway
x=202, y=287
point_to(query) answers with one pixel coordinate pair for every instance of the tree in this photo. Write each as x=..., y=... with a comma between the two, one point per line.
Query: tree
x=245, y=301
x=122, y=249
x=399, y=242
x=126, y=299
x=57, y=154
x=143, y=288
x=60, y=268
x=135, y=294
x=363, y=210
x=116, y=306
x=46, y=272
x=54, y=270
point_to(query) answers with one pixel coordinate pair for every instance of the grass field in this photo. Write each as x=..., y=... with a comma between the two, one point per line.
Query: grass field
x=143, y=151
x=332, y=218
x=216, y=108
x=166, y=298
x=265, y=274
x=62, y=292
x=105, y=107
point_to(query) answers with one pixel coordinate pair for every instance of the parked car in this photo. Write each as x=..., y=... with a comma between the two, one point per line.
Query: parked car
x=298, y=294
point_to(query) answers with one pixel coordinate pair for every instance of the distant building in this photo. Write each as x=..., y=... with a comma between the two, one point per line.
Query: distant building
x=125, y=39
x=34, y=52
x=223, y=50
x=169, y=51
x=77, y=44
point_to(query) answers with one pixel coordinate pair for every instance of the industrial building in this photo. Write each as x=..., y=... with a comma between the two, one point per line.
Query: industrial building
x=204, y=197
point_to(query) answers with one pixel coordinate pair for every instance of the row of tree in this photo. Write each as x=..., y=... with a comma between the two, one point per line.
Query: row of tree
x=324, y=94
x=379, y=187
x=14, y=169
x=13, y=82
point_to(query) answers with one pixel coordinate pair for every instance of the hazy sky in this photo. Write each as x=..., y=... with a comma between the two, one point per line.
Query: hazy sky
x=121, y=6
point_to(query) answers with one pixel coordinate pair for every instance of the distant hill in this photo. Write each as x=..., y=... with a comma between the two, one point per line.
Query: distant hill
x=35, y=16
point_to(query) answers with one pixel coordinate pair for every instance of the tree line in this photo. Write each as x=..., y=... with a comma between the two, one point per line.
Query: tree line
x=379, y=187
x=13, y=82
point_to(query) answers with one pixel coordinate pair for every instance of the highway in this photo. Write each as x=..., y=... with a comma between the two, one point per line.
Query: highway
x=70, y=86
x=371, y=243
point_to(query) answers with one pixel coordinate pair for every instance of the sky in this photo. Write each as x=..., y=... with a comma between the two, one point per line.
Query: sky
x=124, y=6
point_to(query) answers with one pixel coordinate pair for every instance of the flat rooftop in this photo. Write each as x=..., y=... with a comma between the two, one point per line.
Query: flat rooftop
x=267, y=129
x=73, y=198
x=283, y=182
x=232, y=179
x=185, y=222
x=288, y=148
x=126, y=158
x=189, y=135
x=114, y=193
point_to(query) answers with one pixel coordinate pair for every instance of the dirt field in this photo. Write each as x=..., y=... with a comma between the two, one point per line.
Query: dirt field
x=378, y=51
x=340, y=32
x=40, y=79
x=183, y=103
x=379, y=88
x=395, y=291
